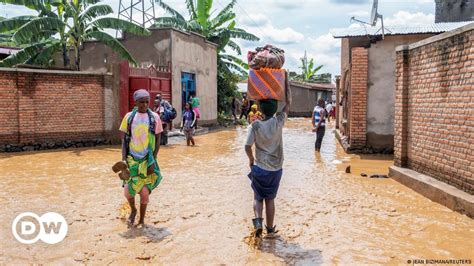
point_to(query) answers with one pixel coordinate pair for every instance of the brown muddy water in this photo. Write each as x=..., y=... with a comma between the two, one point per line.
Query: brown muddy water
x=202, y=211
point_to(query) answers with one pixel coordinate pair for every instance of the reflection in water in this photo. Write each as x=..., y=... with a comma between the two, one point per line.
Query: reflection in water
x=202, y=211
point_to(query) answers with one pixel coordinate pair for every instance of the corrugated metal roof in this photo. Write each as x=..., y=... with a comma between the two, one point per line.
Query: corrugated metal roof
x=398, y=30
x=313, y=86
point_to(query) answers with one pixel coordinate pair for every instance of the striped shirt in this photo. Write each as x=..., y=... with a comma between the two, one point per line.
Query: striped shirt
x=317, y=116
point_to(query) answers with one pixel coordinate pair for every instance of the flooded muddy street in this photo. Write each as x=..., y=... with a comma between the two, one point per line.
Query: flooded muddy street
x=201, y=213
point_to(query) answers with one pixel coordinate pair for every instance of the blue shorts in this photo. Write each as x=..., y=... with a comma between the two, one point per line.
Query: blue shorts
x=265, y=183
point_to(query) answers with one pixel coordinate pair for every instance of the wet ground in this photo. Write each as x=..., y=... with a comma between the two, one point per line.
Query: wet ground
x=201, y=212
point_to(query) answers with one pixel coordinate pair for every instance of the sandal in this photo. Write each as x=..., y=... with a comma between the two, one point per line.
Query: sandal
x=121, y=167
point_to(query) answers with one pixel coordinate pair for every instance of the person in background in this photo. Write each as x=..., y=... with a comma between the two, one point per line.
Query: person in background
x=234, y=107
x=328, y=111
x=266, y=167
x=319, y=123
x=189, y=118
x=195, y=106
x=254, y=114
x=333, y=111
x=245, y=107
x=160, y=105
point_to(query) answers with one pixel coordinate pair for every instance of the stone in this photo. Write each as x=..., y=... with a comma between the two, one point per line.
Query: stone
x=348, y=169
x=28, y=148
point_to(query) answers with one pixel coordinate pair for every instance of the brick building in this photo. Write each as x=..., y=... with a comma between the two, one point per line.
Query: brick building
x=367, y=86
x=49, y=109
x=434, y=118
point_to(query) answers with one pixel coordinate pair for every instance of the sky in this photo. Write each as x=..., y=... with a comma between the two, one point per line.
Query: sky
x=298, y=25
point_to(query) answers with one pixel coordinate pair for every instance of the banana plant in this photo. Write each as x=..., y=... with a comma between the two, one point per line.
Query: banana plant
x=309, y=70
x=74, y=22
x=220, y=29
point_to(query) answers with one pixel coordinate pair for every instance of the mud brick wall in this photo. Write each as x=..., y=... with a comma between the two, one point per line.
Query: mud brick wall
x=39, y=106
x=434, y=124
x=358, y=97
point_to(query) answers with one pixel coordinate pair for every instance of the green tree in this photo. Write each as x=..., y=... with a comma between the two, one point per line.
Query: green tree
x=73, y=21
x=220, y=29
x=309, y=70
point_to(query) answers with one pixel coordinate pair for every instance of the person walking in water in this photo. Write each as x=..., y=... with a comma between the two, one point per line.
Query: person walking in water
x=195, y=103
x=142, y=128
x=328, y=111
x=266, y=165
x=189, y=119
x=319, y=123
x=254, y=114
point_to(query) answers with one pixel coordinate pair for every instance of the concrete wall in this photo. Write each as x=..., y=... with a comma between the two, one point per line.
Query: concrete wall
x=381, y=89
x=304, y=99
x=187, y=53
x=434, y=107
x=192, y=54
x=454, y=10
x=154, y=49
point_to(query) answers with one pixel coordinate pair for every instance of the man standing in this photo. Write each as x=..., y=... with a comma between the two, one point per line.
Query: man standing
x=266, y=166
x=234, y=107
x=160, y=106
x=245, y=107
x=319, y=123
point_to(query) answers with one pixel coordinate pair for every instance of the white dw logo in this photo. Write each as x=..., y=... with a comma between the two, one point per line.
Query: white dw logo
x=28, y=228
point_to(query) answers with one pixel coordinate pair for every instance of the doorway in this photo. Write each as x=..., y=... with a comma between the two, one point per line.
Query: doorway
x=188, y=87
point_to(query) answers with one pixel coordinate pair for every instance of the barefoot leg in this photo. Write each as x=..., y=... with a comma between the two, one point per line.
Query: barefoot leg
x=131, y=202
x=142, y=214
x=131, y=218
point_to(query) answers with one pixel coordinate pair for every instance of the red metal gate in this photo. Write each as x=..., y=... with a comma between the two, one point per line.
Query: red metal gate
x=155, y=79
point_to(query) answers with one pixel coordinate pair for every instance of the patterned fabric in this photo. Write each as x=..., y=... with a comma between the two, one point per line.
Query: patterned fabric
x=140, y=129
x=138, y=170
x=254, y=116
x=267, y=56
x=266, y=83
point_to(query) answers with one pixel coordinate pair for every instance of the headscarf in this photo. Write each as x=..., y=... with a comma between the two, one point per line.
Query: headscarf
x=254, y=106
x=140, y=94
x=268, y=107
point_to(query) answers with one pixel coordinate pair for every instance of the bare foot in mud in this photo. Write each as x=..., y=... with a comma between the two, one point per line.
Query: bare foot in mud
x=131, y=218
x=141, y=223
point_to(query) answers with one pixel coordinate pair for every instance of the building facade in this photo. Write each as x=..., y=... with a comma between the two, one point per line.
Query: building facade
x=192, y=60
x=367, y=84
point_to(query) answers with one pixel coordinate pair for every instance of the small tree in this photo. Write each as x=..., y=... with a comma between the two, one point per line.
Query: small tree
x=308, y=69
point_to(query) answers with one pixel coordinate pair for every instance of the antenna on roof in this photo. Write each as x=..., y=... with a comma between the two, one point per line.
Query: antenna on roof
x=373, y=19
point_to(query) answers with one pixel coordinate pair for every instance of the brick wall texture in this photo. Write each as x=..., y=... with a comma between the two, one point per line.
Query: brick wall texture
x=434, y=110
x=42, y=106
x=358, y=97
